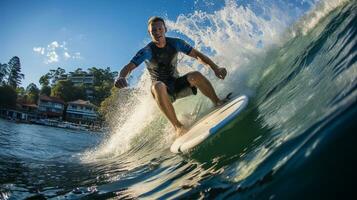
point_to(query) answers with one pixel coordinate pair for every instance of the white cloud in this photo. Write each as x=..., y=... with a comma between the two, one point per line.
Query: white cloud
x=52, y=57
x=53, y=50
x=39, y=50
x=66, y=55
x=53, y=46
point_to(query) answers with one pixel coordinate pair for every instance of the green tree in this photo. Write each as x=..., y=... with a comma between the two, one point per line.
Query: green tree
x=21, y=94
x=103, y=83
x=101, y=92
x=65, y=90
x=15, y=75
x=78, y=71
x=32, y=93
x=80, y=92
x=8, y=96
x=20, y=91
x=3, y=73
x=56, y=74
x=101, y=75
x=46, y=90
x=45, y=80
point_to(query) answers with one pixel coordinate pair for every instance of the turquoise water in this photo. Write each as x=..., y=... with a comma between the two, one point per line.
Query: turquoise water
x=294, y=141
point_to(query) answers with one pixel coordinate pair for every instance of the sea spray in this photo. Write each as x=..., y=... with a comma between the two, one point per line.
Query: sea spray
x=234, y=37
x=313, y=17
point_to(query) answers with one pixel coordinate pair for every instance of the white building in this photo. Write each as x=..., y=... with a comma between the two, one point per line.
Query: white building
x=51, y=107
x=85, y=79
x=81, y=111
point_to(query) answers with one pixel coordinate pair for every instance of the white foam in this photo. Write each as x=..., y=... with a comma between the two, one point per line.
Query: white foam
x=233, y=37
x=313, y=17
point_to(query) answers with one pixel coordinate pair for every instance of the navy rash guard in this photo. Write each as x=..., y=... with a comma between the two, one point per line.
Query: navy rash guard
x=162, y=62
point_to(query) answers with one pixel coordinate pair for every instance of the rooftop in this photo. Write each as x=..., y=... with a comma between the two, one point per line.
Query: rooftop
x=51, y=99
x=81, y=102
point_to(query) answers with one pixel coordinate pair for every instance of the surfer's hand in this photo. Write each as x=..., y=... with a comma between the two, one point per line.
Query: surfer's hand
x=220, y=72
x=120, y=82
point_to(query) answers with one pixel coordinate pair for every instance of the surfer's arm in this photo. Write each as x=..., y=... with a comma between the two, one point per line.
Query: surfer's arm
x=143, y=54
x=120, y=81
x=219, y=71
x=127, y=69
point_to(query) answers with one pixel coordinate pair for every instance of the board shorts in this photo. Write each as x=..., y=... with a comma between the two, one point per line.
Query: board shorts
x=179, y=88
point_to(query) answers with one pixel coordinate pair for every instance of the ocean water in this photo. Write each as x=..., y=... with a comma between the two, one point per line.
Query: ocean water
x=294, y=141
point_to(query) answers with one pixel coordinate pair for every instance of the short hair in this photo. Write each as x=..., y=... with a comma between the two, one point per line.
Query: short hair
x=156, y=19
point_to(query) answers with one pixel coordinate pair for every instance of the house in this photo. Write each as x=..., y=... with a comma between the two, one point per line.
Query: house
x=29, y=111
x=30, y=108
x=81, y=111
x=22, y=111
x=50, y=107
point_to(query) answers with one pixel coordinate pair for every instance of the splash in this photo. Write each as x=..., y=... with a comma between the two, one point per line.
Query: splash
x=129, y=122
x=234, y=37
x=319, y=11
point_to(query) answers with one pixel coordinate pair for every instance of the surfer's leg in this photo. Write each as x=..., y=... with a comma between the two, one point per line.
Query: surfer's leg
x=196, y=79
x=159, y=90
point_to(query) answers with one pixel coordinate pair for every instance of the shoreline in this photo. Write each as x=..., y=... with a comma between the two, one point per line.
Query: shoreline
x=57, y=124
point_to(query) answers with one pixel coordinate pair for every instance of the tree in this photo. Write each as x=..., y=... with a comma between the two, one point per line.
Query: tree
x=32, y=93
x=15, y=75
x=20, y=91
x=8, y=96
x=55, y=75
x=45, y=80
x=3, y=73
x=101, y=92
x=80, y=92
x=46, y=90
x=78, y=71
x=101, y=75
x=103, y=83
x=21, y=94
x=65, y=90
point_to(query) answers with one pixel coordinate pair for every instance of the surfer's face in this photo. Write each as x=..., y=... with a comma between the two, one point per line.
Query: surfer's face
x=157, y=31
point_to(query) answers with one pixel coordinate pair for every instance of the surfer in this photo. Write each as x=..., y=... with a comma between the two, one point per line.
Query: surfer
x=160, y=56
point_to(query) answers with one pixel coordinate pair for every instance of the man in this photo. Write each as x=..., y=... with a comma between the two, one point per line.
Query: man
x=160, y=56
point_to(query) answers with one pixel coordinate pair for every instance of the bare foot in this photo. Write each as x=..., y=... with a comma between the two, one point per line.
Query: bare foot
x=220, y=102
x=181, y=131
x=223, y=101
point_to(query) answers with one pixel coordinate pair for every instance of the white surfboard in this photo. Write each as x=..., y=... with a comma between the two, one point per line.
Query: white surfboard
x=209, y=125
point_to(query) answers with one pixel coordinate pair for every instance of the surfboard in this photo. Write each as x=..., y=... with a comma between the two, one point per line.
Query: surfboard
x=209, y=125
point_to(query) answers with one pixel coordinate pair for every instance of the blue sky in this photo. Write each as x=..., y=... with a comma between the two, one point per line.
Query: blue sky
x=47, y=34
